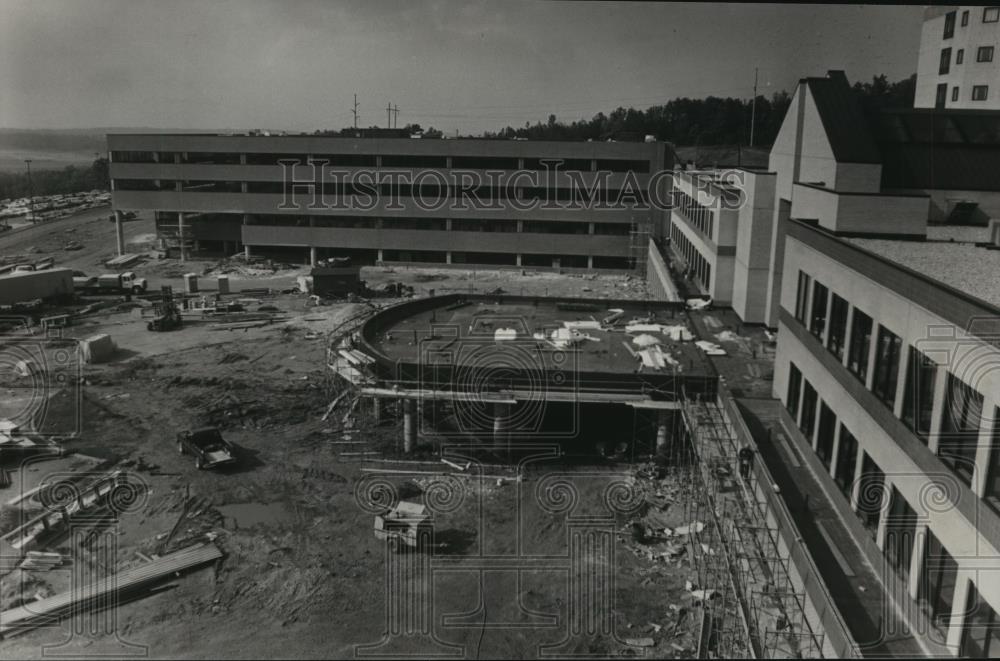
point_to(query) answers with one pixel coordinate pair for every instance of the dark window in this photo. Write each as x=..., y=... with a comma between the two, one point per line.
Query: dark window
x=802, y=297
x=133, y=157
x=980, y=92
x=959, y=438
x=900, y=529
x=847, y=462
x=960, y=56
x=918, y=396
x=937, y=584
x=984, y=54
x=949, y=25
x=941, y=95
x=965, y=18
x=817, y=320
x=211, y=186
x=824, y=435
x=991, y=14
x=622, y=165
x=945, y=64
x=272, y=159
x=794, y=389
x=561, y=164
x=861, y=336
x=838, y=326
x=954, y=94
x=211, y=158
x=486, y=163
x=887, y=351
x=808, y=422
x=992, y=491
x=981, y=633
x=413, y=161
x=345, y=160
x=871, y=493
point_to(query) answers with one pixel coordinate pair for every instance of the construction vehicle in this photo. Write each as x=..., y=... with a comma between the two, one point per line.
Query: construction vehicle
x=110, y=283
x=405, y=525
x=167, y=315
x=210, y=450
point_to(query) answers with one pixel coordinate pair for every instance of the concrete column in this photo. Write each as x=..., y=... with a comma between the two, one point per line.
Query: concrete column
x=940, y=388
x=884, y=514
x=983, y=447
x=835, y=450
x=246, y=251
x=501, y=431
x=856, y=487
x=409, y=426
x=447, y=257
x=119, y=233
x=917, y=560
x=518, y=262
x=379, y=256
x=590, y=228
x=312, y=255
x=180, y=235
x=958, y=607
x=556, y=262
x=590, y=261
x=447, y=224
x=661, y=430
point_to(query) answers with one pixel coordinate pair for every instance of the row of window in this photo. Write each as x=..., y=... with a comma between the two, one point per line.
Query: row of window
x=697, y=267
x=983, y=54
x=962, y=412
x=388, y=161
x=429, y=192
x=990, y=15
x=697, y=214
x=939, y=570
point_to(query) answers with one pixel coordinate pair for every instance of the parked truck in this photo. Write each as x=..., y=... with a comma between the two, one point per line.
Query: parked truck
x=24, y=286
x=109, y=283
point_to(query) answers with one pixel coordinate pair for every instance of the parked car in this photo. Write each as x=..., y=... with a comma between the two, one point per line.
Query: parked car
x=207, y=446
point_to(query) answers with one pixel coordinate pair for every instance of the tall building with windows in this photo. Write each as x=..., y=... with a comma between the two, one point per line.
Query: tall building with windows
x=959, y=61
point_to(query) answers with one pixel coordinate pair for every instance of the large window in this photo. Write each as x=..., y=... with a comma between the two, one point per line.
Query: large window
x=963, y=410
x=992, y=491
x=808, y=422
x=824, y=435
x=959, y=58
x=817, y=320
x=861, y=339
x=937, y=583
x=984, y=54
x=918, y=394
x=871, y=493
x=949, y=25
x=794, y=388
x=900, y=530
x=965, y=18
x=981, y=633
x=945, y=64
x=991, y=14
x=887, y=351
x=980, y=92
x=847, y=462
x=838, y=326
x=802, y=297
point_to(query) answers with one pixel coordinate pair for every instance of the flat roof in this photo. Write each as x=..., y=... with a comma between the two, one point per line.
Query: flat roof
x=471, y=328
x=961, y=264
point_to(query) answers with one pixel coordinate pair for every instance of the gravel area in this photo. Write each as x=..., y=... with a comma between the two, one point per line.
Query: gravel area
x=957, y=233
x=964, y=266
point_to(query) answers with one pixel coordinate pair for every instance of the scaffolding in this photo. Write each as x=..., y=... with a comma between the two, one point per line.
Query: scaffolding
x=756, y=609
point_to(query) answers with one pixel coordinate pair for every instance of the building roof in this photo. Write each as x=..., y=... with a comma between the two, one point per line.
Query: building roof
x=843, y=119
x=961, y=264
x=939, y=148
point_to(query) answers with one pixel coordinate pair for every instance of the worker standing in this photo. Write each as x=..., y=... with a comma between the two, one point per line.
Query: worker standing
x=746, y=460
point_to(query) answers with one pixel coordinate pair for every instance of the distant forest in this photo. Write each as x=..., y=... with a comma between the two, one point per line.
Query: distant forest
x=71, y=179
x=704, y=122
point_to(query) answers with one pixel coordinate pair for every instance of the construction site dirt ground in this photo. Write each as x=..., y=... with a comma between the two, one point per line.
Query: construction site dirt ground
x=303, y=574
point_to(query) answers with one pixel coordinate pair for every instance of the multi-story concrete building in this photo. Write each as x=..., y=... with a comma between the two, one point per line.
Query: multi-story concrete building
x=720, y=227
x=496, y=202
x=958, y=65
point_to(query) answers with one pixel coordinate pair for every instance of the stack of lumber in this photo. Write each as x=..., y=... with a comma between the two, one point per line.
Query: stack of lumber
x=41, y=561
x=110, y=590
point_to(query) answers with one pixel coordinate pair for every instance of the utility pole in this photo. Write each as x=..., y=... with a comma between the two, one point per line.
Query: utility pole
x=355, y=111
x=31, y=193
x=753, y=106
x=395, y=110
x=388, y=116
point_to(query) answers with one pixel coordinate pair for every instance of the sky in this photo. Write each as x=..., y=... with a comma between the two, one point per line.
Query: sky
x=456, y=66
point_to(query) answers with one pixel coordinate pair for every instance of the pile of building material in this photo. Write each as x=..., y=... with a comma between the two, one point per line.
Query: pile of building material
x=107, y=590
x=98, y=348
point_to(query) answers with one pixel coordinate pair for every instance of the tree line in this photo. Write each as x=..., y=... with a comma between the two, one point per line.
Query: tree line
x=709, y=121
x=70, y=179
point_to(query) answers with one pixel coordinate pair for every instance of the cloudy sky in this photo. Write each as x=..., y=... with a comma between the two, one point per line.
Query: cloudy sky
x=295, y=64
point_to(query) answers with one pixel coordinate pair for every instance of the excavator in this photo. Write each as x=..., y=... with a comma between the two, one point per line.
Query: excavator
x=168, y=316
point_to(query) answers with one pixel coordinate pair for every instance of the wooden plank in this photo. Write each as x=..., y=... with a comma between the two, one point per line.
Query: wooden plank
x=45, y=611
